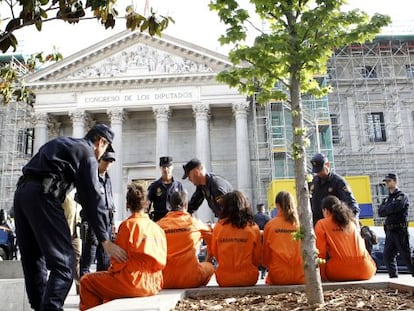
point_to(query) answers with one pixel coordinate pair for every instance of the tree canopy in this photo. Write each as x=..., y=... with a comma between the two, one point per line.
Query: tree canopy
x=23, y=13
x=281, y=65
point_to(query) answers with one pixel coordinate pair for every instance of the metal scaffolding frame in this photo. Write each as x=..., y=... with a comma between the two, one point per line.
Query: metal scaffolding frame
x=373, y=101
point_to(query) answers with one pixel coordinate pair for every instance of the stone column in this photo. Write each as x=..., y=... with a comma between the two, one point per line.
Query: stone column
x=244, y=177
x=41, y=137
x=161, y=114
x=201, y=113
x=202, y=116
x=116, y=115
x=78, y=118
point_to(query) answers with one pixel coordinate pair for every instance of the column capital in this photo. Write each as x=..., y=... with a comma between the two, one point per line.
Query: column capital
x=53, y=127
x=79, y=115
x=161, y=112
x=201, y=110
x=240, y=109
x=116, y=114
x=40, y=118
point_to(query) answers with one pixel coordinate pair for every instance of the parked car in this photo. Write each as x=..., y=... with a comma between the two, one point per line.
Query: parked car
x=378, y=249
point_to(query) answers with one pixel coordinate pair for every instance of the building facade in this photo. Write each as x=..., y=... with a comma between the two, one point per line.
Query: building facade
x=160, y=97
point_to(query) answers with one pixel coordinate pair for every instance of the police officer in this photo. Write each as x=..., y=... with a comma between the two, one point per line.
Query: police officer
x=395, y=209
x=326, y=182
x=261, y=218
x=91, y=249
x=42, y=231
x=208, y=186
x=160, y=190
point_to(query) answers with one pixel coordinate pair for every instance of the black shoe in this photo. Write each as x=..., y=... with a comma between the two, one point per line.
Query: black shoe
x=393, y=276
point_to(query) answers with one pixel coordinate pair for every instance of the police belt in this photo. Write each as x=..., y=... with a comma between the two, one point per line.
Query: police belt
x=34, y=178
x=402, y=225
x=51, y=185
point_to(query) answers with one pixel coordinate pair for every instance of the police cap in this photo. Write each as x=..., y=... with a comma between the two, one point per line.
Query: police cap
x=166, y=161
x=104, y=131
x=192, y=164
x=318, y=160
x=390, y=176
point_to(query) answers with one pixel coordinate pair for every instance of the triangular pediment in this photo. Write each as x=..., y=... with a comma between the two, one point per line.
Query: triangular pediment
x=132, y=55
x=140, y=60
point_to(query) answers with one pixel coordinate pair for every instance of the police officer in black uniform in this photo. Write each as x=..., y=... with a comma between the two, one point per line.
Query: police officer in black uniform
x=159, y=191
x=42, y=231
x=91, y=249
x=395, y=209
x=208, y=186
x=326, y=182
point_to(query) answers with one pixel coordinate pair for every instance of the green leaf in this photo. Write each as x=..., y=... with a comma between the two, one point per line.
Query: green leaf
x=13, y=24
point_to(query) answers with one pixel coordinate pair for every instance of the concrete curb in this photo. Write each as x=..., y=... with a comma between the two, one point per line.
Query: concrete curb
x=167, y=299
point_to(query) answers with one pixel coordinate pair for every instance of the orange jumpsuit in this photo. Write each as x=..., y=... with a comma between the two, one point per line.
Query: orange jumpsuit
x=184, y=235
x=238, y=253
x=141, y=275
x=281, y=253
x=348, y=258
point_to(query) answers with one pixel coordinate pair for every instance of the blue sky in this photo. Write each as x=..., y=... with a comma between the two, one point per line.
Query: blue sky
x=194, y=23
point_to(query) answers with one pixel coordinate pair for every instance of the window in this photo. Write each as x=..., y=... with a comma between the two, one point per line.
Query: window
x=25, y=141
x=376, y=127
x=409, y=70
x=335, y=129
x=369, y=72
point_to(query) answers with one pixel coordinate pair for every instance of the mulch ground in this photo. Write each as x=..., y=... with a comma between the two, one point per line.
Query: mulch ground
x=337, y=300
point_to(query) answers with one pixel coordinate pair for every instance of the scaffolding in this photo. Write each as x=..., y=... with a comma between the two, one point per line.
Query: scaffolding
x=373, y=113
x=16, y=140
x=366, y=125
x=317, y=122
x=273, y=135
x=263, y=159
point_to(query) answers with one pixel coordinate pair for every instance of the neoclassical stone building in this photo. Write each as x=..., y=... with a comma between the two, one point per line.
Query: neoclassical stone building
x=160, y=96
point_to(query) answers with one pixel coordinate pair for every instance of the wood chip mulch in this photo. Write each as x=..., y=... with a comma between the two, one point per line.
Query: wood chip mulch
x=337, y=300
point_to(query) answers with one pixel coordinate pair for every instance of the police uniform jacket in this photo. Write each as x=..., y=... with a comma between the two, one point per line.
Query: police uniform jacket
x=214, y=188
x=261, y=219
x=395, y=208
x=106, y=191
x=71, y=162
x=333, y=185
x=159, y=194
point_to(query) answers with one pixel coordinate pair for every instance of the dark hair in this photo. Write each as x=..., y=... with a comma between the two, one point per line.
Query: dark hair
x=136, y=197
x=287, y=207
x=177, y=200
x=341, y=213
x=236, y=209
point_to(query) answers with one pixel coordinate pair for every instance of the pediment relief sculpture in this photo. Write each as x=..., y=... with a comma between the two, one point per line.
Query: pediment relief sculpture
x=140, y=60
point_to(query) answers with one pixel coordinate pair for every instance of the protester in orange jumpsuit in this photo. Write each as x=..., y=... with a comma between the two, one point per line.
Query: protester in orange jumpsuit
x=184, y=234
x=341, y=245
x=146, y=246
x=281, y=252
x=236, y=242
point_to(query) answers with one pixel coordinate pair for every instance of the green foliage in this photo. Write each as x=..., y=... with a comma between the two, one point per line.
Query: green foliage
x=37, y=12
x=12, y=86
x=299, y=234
x=300, y=41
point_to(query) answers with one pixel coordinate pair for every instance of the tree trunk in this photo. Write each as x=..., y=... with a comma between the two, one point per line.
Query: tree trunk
x=313, y=286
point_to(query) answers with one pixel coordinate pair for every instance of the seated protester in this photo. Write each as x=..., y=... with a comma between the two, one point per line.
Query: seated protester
x=146, y=246
x=184, y=234
x=281, y=253
x=340, y=243
x=236, y=242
